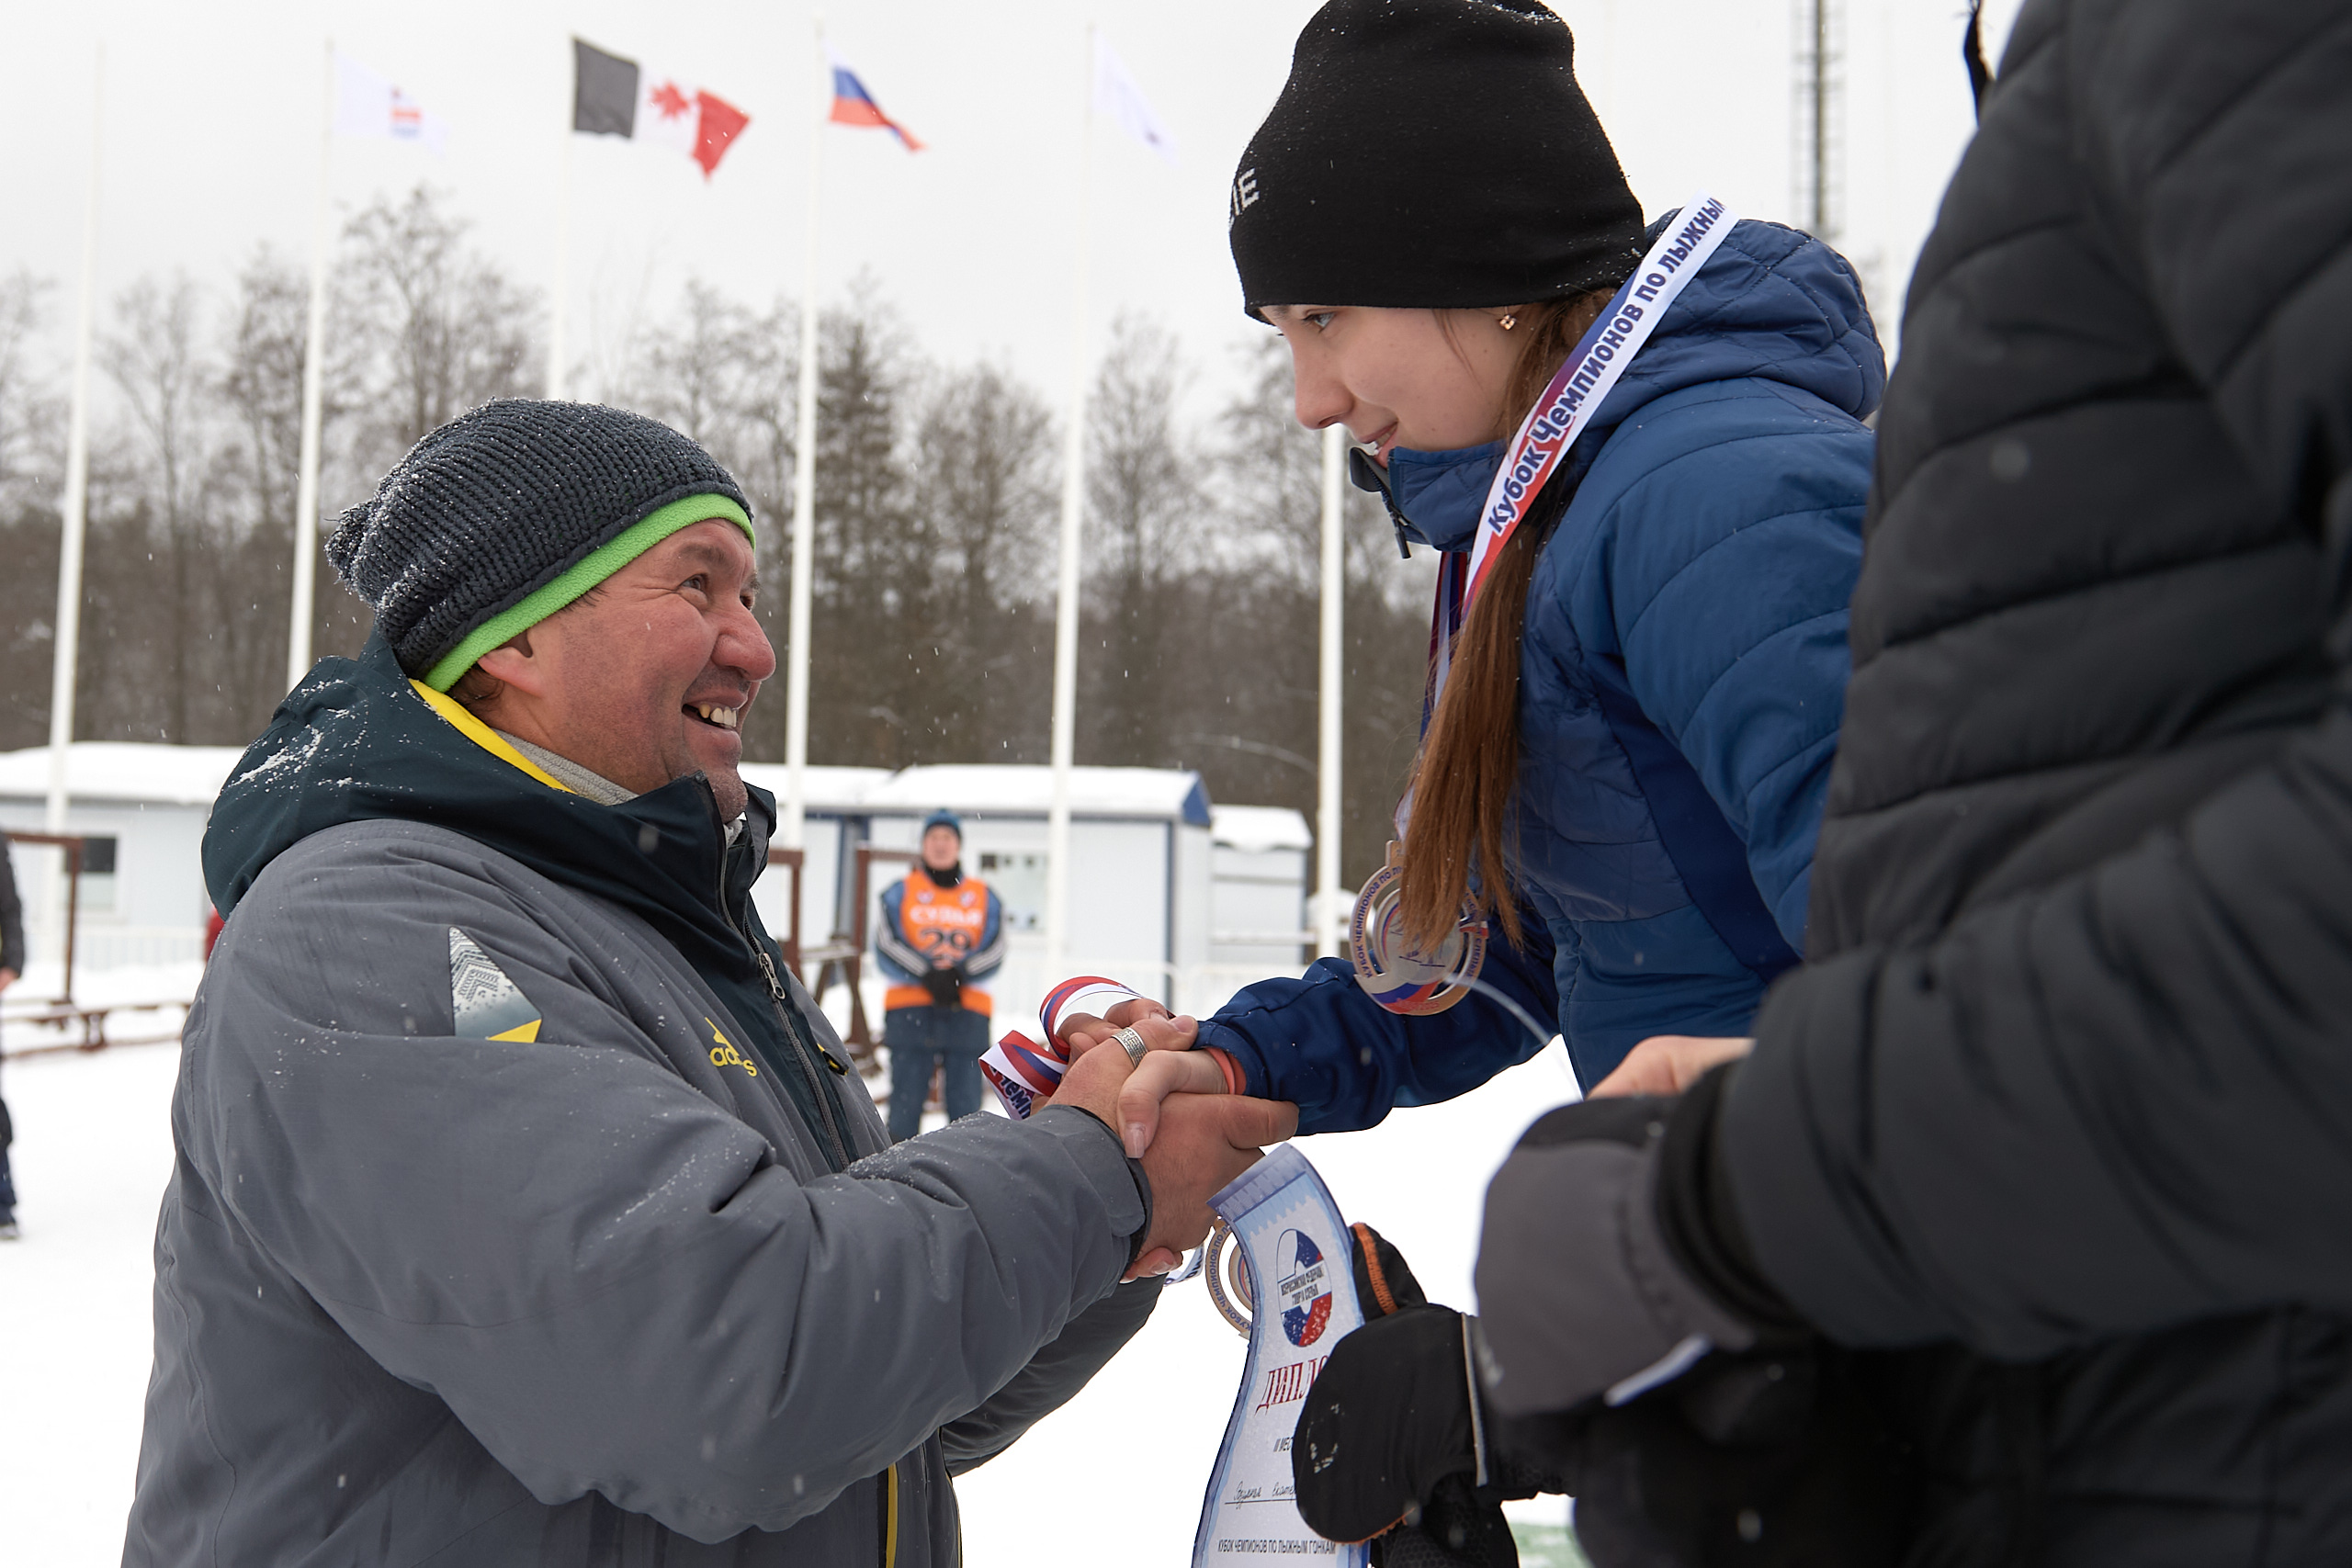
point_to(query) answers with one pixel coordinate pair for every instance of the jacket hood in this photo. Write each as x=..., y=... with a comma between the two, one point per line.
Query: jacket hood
x=1771, y=303
x=354, y=742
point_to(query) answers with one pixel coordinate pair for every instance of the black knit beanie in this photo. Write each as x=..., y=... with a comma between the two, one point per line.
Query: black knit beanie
x=507, y=513
x=1430, y=152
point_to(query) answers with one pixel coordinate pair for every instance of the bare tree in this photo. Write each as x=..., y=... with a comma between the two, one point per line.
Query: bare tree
x=27, y=416
x=157, y=364
x=985, y=481
x=874, y=553
x=1270, y=471
x=261, y=387
x=443, y=329
x=1148, y=527
x=28, y=464
x=262, y=381
x=703, y=366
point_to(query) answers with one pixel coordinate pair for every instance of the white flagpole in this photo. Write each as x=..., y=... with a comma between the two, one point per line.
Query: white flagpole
x=1327, y=771
x=72, y=509
x=804, y=501
x=306, y=488
x=1065, y=604
x=557, y=303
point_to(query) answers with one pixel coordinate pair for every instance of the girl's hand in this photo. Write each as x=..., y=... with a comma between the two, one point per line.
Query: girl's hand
x=1170, y=1067
x=1082, y=1032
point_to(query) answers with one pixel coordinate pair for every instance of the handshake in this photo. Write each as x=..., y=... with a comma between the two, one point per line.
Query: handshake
x=1175, y=1112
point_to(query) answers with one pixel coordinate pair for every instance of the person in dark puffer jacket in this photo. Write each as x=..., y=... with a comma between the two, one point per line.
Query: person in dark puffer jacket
x=2049, y=1132
x=2061, y=1096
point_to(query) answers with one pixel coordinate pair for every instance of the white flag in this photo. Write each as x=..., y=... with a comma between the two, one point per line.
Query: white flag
x=1116, y=95
x=368, y=105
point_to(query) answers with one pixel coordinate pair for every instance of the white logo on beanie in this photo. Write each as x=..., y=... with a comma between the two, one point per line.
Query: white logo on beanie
x=1245, y=194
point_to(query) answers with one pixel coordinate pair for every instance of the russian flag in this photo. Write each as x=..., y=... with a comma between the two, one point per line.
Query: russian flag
x=852, y=104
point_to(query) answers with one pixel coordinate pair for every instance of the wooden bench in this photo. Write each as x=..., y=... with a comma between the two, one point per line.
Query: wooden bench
x=90, y=1017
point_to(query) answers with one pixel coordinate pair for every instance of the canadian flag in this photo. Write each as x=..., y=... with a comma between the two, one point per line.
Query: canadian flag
x=612, y=97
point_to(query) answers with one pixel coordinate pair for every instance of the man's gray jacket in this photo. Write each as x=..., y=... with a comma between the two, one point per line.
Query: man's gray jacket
x=516, y=1221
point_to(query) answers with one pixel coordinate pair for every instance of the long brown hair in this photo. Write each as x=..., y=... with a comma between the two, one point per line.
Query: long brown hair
x=1469, y=760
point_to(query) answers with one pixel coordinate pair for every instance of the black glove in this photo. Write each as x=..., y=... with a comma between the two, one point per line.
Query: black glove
x=1386, y=1445
x=946, y=986
x=1764, y=1459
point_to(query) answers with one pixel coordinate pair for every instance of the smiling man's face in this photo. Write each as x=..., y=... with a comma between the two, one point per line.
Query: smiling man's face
x=647, y=680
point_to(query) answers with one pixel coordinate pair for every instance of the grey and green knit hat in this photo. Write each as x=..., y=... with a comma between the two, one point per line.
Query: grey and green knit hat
x=507, y=513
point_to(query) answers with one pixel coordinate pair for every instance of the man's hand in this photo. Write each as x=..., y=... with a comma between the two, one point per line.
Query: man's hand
x=1172, y=1067
x=1666, y=1064
x=1168, y=1070
x=1204, y=1142
x=7, y=978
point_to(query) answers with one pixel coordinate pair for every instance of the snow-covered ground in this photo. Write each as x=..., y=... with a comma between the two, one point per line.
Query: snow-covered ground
x=94, y=1149
x=1116, y=1475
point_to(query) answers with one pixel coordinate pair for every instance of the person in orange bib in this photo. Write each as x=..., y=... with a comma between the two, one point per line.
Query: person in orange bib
x=940, y=938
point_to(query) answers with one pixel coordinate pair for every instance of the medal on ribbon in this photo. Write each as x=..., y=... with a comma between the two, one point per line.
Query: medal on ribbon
x=1291, y=1264
x=1391, y=970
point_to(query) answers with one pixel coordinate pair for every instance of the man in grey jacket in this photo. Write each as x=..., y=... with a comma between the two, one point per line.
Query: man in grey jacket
x=525, y=1211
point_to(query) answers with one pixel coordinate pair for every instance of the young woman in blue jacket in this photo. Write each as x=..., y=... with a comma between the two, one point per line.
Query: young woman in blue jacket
x=1625, y=766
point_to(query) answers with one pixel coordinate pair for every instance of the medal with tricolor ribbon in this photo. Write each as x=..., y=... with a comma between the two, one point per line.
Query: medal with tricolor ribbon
x=1391, y=970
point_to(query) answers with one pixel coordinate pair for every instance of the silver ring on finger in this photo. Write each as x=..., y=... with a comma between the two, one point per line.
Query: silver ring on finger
x=1132, y=1043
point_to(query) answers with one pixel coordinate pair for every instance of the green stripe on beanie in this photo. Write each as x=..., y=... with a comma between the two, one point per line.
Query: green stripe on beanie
x=504, y=506
x=606, y=560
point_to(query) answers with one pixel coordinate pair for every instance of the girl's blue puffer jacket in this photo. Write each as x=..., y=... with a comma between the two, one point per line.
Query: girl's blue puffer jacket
x=1681, y=679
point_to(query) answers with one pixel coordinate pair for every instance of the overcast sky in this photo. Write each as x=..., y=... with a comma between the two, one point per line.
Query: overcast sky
x=211, y=142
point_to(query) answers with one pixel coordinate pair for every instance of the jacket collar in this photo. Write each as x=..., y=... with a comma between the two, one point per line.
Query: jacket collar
x=1771, y=304
x=1434, y=498
x=356, y=742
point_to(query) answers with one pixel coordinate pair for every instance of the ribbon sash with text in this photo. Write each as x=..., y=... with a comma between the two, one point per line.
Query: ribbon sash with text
x=1566, y=408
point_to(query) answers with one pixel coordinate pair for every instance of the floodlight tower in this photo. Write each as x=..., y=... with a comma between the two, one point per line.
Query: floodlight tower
x=1817, y=167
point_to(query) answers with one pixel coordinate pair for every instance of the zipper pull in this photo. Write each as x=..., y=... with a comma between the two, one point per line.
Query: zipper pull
x=767, y=968
x=784, y=998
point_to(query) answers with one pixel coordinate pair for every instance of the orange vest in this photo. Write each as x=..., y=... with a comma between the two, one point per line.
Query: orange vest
x=949, y=922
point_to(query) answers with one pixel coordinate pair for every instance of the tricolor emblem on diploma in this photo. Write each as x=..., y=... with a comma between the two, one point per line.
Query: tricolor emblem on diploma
x=1294, y=1254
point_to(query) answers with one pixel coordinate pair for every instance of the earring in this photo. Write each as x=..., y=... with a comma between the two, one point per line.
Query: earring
x=1508, y=320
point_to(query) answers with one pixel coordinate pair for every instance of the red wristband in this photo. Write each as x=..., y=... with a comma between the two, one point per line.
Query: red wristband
x=1234, y=1082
